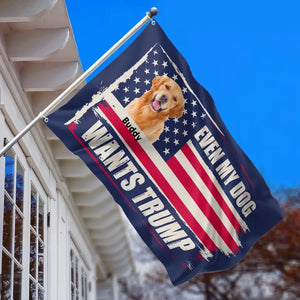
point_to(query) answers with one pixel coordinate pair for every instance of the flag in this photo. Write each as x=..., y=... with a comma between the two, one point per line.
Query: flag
x=151, y=133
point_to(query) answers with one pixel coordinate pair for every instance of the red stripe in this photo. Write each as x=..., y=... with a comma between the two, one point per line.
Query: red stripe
x=202, y=202
x=72, y=128
x=158, y=177
x=211, y=186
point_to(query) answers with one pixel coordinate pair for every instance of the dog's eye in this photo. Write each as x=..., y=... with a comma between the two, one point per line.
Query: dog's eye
x=167, y=87
x=175, y=99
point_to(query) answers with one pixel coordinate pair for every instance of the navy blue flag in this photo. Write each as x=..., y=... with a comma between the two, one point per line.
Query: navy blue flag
x=151, y=133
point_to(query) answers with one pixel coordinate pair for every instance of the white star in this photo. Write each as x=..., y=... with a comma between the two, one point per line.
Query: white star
x=126, y=89
x=166, y=129
x=194, y=124
x=184, y=122
x=176, y=142
x=147, y=81
x=175, y=77
x=155, y=73
x=185, y=111
x=167, y=151
x=176, y=120
x=165, y=74
x=155, y=52
x=126, y=100
x=194, y=114
x=194, y=102
x=203, y=115
x=166, y=140
x=155, y=63
x=147, y=71
x=176, y=131
x=164, y=64
x=185, y=133
x=136, y=80
x=136, y=90
x=184, y=90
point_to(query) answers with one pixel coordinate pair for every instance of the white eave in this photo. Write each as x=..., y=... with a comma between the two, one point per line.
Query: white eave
x=43, y=57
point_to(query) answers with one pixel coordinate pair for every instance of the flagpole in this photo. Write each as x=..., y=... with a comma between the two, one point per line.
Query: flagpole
x=149, y=16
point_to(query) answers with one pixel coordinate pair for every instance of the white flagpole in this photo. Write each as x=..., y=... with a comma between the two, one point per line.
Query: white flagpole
x=149, y=15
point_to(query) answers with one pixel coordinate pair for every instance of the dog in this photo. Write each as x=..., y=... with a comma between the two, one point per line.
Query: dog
x=164, y=100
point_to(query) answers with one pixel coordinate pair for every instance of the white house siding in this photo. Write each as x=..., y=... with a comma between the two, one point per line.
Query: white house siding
x=53, y=243
x=66, y=230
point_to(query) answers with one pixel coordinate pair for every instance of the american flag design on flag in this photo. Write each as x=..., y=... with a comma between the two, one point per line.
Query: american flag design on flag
x=191, y=193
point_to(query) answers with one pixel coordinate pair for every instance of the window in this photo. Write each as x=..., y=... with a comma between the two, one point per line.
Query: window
x=79, y=278
x=13, y=219
x=84, y=291
x=37, y=246
x=74, y=276
x=23, y=245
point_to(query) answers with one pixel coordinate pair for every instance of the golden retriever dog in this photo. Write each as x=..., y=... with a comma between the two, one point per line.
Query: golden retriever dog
x=164, y=100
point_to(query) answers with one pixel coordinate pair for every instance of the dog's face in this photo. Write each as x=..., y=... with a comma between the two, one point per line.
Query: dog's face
x=166, y=97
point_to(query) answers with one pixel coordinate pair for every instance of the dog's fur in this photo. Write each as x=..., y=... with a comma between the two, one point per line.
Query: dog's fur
x=164, y=100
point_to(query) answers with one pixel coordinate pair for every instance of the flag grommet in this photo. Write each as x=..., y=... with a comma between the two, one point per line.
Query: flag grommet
x=43, y=116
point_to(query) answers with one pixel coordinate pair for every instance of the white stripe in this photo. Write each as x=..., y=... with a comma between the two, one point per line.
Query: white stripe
x=168, y=174
x=192, y=173
x=217, y=185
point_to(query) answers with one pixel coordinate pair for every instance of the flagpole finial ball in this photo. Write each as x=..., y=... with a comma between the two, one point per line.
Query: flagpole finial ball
x=153, y=12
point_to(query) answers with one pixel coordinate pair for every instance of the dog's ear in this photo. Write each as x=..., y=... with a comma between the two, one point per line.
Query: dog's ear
x=177, y=111
x=157, y=81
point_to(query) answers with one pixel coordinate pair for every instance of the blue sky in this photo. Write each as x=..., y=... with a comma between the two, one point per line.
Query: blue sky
x=247, y=55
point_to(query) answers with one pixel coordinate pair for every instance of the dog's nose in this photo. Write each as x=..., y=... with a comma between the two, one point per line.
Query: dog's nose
x=163, y=98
